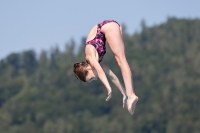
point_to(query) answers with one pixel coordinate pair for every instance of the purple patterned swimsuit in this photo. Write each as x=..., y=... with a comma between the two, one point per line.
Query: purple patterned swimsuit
x=99, y=42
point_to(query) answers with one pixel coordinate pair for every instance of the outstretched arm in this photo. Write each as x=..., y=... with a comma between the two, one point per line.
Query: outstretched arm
x=115, y=81
x=101, y=75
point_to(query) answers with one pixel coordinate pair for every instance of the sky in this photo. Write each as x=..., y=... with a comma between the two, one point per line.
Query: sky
x=43, y=24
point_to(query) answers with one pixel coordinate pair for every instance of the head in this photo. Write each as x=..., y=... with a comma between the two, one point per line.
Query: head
x=84, y=72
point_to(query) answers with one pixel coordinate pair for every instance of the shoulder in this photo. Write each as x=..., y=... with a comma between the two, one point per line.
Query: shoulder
x=90, y=52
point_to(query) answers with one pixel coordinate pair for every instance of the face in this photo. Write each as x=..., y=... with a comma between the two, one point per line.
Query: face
x=92, y=75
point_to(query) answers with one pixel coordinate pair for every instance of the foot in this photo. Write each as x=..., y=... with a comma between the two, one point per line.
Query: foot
x=131, y=103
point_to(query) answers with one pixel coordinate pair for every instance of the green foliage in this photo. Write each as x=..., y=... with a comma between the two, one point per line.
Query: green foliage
x=42, y=95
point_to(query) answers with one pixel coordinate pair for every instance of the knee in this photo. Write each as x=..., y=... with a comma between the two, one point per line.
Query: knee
x=120, y=61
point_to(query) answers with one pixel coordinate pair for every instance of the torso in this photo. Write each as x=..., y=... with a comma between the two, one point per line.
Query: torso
x=97, y=38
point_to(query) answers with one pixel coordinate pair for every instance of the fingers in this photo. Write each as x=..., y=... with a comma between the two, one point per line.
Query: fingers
x=109, y=97
x=124, y=103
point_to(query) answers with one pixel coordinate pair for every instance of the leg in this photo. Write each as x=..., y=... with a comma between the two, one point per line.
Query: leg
x=113, y=35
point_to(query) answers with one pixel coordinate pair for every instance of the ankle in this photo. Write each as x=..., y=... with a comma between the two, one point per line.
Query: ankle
x=131, y=95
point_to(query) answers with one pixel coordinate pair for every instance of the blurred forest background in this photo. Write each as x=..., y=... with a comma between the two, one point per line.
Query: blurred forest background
x=39, y=93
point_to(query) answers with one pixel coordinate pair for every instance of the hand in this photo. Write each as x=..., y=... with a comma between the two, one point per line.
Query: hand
x=125, y=98
x=109, y=96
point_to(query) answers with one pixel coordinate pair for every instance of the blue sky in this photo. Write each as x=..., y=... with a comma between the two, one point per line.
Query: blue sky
x=43, y=24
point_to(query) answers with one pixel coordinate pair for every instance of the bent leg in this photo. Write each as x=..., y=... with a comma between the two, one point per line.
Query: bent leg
x=113, y=35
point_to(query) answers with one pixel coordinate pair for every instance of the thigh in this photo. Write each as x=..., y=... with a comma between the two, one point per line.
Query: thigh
x=113, y=34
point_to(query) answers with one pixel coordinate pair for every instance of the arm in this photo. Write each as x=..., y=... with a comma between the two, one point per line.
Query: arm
x=114, y=79
x=95, y=64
